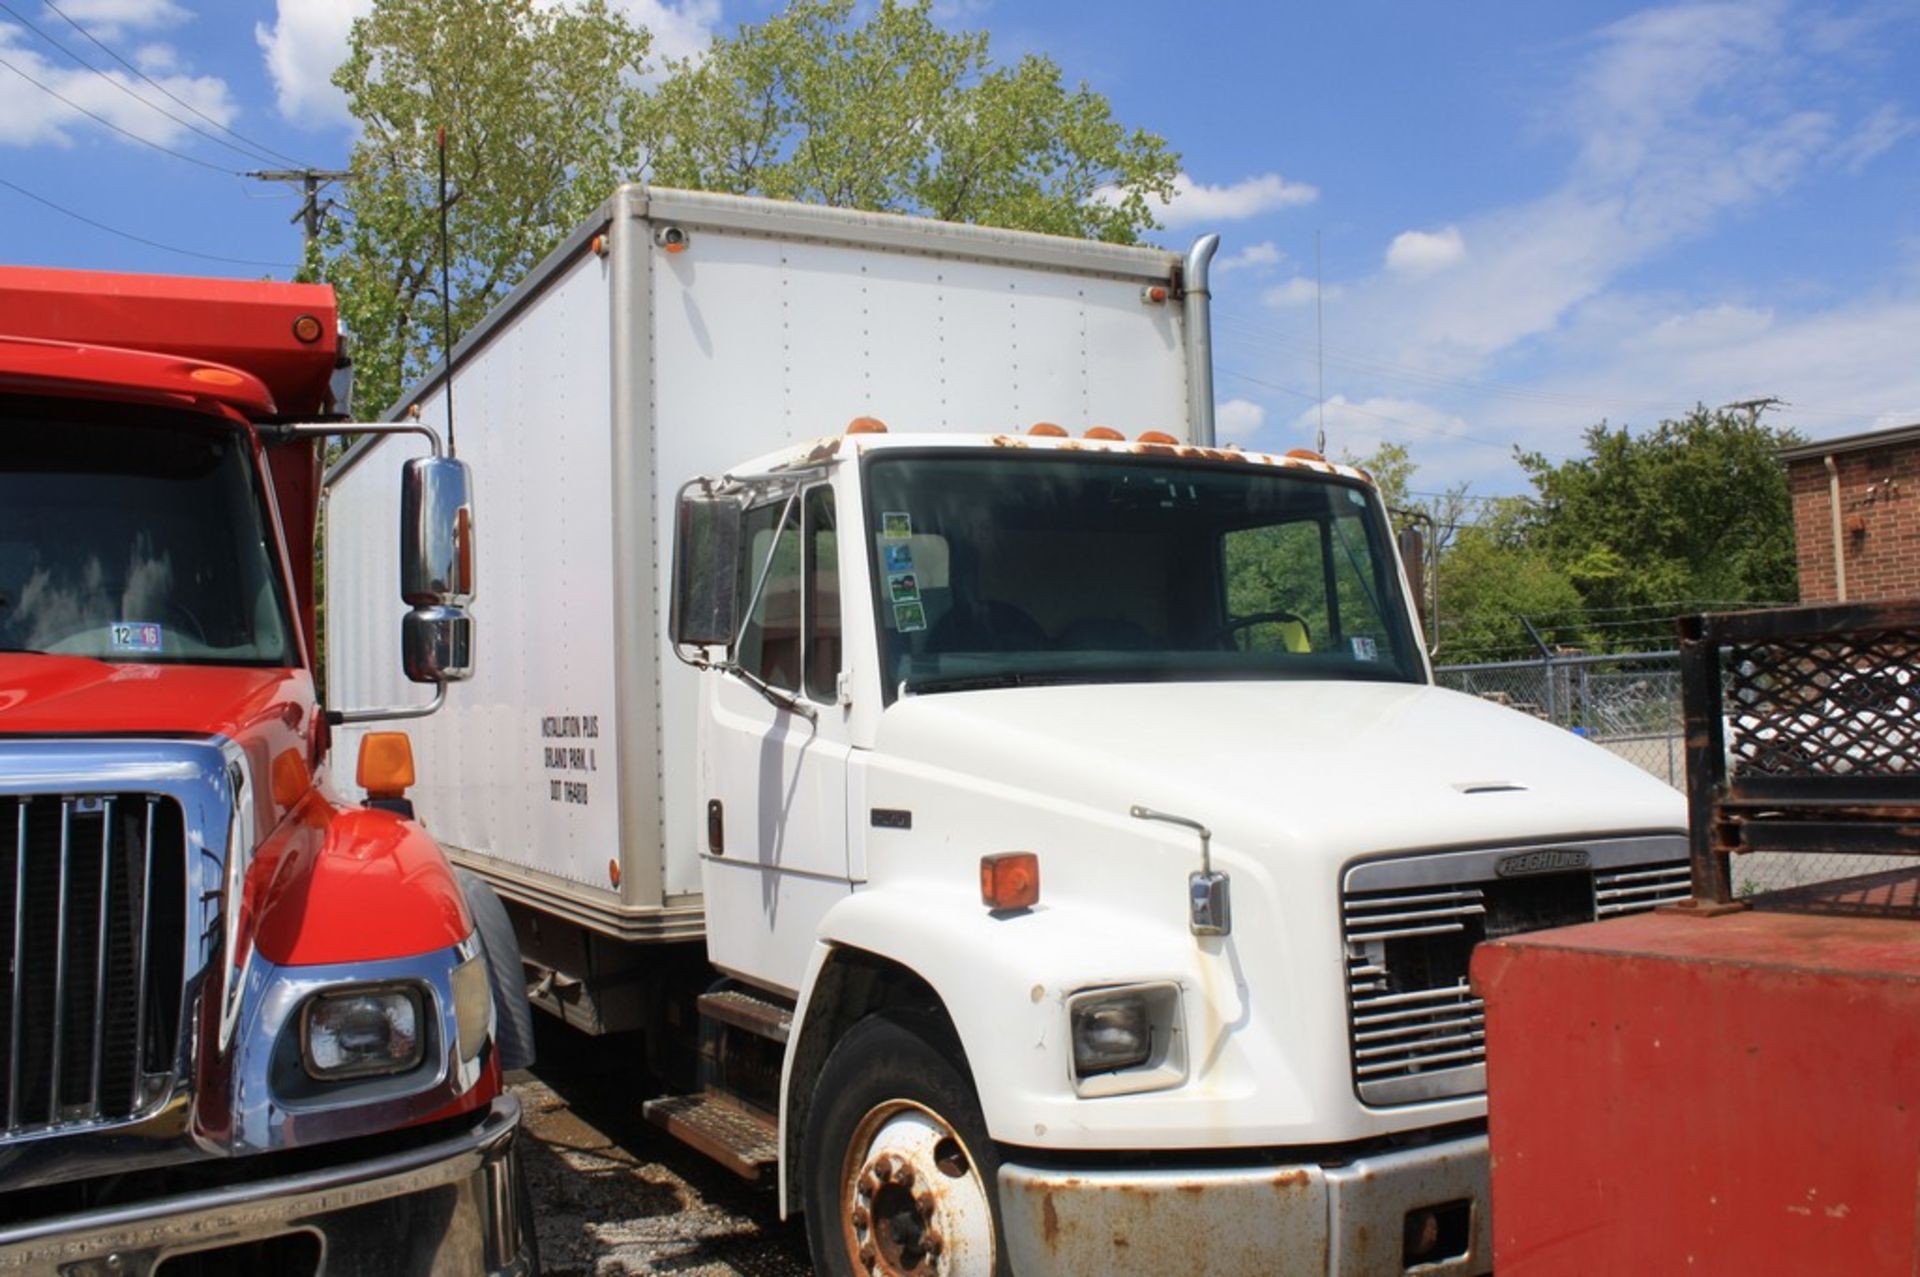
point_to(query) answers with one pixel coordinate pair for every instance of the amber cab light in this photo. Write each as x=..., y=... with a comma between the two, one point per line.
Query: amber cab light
x=1010, y=880
x=1156, y=436
x=1305, y=454
x=1047, y=430
x=866, y=426
x=386, y=764
x=1105, y=432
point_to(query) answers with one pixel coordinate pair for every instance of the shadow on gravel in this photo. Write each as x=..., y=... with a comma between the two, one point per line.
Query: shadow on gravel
x=614, y=1195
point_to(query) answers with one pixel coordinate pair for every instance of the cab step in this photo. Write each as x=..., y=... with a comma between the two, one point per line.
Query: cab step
x=744, y=1140
x=751, y=1012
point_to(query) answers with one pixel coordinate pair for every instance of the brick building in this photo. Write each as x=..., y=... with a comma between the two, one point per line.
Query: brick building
x=1863, y=492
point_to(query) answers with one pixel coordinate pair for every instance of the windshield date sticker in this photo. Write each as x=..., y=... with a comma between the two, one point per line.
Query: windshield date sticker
x=899, y=555
x=896, y=525
x=1364, y=648
x=908, y=617
x=903, y=587
x=136, y=636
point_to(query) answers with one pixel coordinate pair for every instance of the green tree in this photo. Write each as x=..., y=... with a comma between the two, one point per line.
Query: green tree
x=547, y=108
x=1490, y=578
x=894, y=114
x=541, y=107
x=1694, y=510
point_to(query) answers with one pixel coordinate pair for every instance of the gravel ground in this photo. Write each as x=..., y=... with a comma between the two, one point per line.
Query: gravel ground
x=613, y=1195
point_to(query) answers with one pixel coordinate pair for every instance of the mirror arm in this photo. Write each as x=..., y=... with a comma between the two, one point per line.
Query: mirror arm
x=326, y=429
x=782, y=700
x=347, y=717
x=766, y=567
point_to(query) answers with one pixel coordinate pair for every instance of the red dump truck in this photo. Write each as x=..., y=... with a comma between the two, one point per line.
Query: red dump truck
x=246, y=1023
x=1732, y=1085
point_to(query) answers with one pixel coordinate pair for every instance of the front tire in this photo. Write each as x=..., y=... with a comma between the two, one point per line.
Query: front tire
x=899, y=1171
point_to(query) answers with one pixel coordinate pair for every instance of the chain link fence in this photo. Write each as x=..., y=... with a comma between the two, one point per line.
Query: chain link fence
x=1630, y=704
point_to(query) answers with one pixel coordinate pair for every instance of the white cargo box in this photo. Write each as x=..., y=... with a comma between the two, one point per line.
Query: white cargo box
x=564, y=770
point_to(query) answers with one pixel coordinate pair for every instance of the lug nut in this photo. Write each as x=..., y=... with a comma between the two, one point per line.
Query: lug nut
x=869, y=1257
x=923, y=1202
x=860, y=1218
x=932, y=1241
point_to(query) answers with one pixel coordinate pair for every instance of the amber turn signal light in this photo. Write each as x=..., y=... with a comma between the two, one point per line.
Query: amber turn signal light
x=386, y=764
x=1010, y=880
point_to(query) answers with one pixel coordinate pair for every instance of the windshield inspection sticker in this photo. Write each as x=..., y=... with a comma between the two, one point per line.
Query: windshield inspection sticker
x=896, y=525
x=899, y=555
x=1364, y=648
x=903, y=587
x=136, y=636
x=908, y=617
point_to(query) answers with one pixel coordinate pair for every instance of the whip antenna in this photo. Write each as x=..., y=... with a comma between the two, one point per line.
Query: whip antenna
x=446, y=295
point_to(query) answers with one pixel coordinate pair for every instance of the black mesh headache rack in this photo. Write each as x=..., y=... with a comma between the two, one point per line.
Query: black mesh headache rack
x=1803, y=738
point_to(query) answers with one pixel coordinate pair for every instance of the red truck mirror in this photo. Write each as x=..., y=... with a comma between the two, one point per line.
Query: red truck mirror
x=437, y=569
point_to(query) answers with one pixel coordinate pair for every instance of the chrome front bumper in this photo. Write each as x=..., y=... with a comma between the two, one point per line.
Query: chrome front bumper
x=1309, y=1218
x=455, y=1206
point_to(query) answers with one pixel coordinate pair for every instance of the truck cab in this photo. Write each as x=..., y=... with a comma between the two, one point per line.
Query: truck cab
x=249, y=1020
x=1091, y=795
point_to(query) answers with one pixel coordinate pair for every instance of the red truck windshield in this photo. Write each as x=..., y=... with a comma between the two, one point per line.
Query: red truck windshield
x=130, y=537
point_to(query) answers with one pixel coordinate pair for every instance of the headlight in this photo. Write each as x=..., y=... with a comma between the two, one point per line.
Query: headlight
x=1126, y=1039
x=362, y=1033
x=1110, y=1033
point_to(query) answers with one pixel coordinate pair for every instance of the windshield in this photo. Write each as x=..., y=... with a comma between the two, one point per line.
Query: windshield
x=134, y=541
x=1000, y=570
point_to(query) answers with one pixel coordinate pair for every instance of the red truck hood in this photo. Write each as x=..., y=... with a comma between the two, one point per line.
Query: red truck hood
x=45, y=695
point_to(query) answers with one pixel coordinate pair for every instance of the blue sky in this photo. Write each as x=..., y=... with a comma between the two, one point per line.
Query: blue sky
x=1530, y=216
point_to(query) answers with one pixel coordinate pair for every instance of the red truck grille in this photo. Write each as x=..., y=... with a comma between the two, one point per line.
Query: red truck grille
x=92, y=904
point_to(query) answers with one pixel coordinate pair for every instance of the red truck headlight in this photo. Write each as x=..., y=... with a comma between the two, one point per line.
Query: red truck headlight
x=362, y=1033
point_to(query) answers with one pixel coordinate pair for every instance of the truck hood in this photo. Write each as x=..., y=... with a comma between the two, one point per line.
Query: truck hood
x=1340, y=768
x=45, y=695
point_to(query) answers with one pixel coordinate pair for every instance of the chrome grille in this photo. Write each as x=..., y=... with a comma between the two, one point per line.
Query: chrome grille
x=92, y=905
x=1417, y=1030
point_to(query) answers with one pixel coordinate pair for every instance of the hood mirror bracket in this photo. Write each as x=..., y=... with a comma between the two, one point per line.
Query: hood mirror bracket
x=1209, y=898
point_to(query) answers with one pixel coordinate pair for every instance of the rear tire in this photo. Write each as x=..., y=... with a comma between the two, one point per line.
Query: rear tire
x=899, y=1174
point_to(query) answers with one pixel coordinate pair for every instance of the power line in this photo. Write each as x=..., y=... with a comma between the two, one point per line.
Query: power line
x=100, y=119
x=139, y=239
x=312, y=208
x=261, y=147
x=16, y=15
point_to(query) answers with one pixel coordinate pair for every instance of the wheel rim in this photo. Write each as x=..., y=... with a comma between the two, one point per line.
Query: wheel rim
x=911, y=1197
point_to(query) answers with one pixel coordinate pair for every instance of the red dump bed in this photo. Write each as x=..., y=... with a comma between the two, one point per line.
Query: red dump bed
x=241, y=324
x=1733, y=1094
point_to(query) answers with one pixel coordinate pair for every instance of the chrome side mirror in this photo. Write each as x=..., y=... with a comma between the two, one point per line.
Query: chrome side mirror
x=436, y=569
x=705, y=608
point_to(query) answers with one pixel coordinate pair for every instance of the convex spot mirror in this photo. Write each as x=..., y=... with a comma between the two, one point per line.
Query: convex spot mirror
x=705, y=609
x=436, y=569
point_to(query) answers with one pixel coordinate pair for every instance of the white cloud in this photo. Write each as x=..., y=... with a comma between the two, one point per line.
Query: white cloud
x=1254, y=257
x=308, y=40
x=1299, y=291
x=1423, y=252
x=1238, y=419
x=1879, y=133
x=109, y=18
x=682, y=30
x=1193, y=202
x=32, y=116
x=305, y=44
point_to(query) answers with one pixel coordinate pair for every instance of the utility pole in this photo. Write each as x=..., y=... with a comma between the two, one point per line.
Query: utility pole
x=1754, y=407
x=312, y=208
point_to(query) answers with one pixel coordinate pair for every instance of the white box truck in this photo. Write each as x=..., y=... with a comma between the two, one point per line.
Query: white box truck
x=1026, y=832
